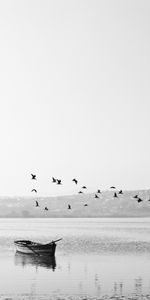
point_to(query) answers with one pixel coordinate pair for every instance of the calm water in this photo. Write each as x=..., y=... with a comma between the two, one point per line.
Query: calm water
x=97, y=259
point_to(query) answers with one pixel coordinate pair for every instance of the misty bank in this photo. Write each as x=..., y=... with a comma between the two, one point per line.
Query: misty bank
x=82, y=206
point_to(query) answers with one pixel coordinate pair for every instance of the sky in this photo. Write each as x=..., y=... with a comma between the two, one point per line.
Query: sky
x=74, y=95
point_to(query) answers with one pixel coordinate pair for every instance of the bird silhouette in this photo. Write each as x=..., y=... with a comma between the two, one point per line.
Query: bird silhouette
x=84, y=187
x=53, y=180
x=75, y=180
x=69, y=206
x=33, y=176
x=37, y=204
x=96, y=196
x=80, y=192
x=98, y=191
x=85, y=204
x=120, y=192
x=112, y=187
x=34, y=190
x=58, y=181
x=136, y=196
x=139, y=200
x=46, y=208
x=115, y=195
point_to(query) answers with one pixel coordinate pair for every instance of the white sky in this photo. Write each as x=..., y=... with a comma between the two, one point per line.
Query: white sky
x=74, y=95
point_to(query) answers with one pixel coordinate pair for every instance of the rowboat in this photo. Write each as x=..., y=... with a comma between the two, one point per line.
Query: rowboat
x=28, y=247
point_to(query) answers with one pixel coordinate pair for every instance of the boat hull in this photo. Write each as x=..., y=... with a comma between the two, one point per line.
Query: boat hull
x=35, y=248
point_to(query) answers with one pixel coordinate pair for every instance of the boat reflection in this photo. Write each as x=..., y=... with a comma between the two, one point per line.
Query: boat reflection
x=44, y=261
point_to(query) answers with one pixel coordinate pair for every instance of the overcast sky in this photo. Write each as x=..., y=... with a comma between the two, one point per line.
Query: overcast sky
x=74, y=95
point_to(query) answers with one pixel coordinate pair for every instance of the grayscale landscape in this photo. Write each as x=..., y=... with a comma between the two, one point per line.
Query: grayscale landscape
x=74, y=149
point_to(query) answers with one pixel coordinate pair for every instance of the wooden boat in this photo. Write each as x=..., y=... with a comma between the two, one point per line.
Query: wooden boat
x=29, y=247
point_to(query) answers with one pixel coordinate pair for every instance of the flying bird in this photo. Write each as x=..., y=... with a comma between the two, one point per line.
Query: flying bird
x=98, y=191
x=58, y=181
x=115, y=195
x=120, y=192
x=46, y=208
x=112, y=187
x=75, y=180
x=96, y=196
x=139, y=200
x=53, y=180
x=34, y=190
x=80, y=192
x=69, y=206
x=85, y=204
x=136, y=196
x=84, y=187
x=37, y=204
x=33, y=176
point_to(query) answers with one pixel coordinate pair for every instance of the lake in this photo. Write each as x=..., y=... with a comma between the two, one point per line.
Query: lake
x=98, y=258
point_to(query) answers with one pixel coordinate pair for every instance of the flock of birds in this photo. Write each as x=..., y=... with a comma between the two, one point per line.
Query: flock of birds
x=59, y=182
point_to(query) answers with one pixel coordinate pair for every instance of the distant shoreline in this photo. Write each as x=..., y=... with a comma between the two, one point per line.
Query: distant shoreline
x=106, y=204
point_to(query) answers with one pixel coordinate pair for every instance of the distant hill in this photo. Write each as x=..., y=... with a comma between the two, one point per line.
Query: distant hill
x=104, y=206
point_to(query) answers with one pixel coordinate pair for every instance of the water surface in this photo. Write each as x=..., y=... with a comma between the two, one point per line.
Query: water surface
x=97, y=259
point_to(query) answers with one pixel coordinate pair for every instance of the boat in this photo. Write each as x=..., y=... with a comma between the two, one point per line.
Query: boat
x=28, y=247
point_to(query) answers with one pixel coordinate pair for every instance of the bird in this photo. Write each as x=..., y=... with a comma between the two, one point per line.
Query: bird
x=96, y=196
x=120, y=192
x=85, y=204
x=75, y=180
x=148, y=199
x=139, y=200
x=69, y=206
x=58, y=181
x=46, y=208
x=33, y=176
x=115, y=195
x=37, y=204
x=112, y=187
x=136, y=196
x=34, y=190
x=84, y=187
x=80, y=192
x=98, y=191
x=53, y=180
